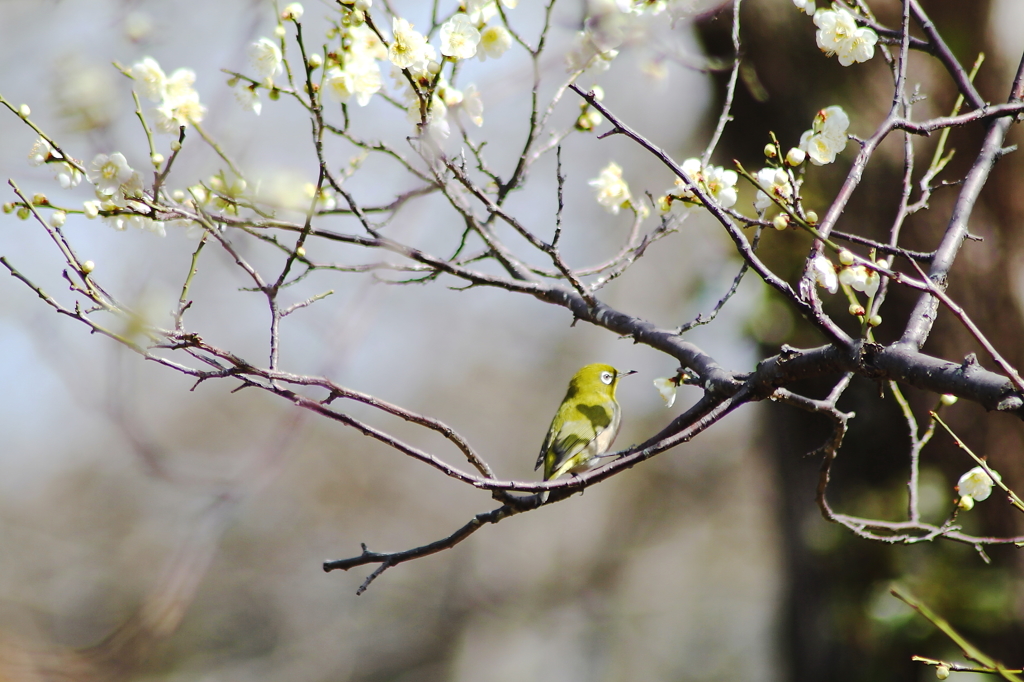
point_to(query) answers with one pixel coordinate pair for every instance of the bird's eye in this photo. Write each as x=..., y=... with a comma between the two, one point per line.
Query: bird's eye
x=607, y=377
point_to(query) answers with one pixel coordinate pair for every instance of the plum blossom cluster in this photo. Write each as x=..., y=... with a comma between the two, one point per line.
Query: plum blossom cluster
x=267, y=61
x=838, y=34
x=715, y=181
x=353, y=69
x=178, y=102
x=42, y=152
x=119, y=195
x=854, y=274
x=356, y=72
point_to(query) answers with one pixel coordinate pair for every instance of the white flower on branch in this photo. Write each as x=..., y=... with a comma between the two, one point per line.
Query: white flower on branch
x=806, y=6
x=179, y=101
x=716, y=181
x=108, y=173
x=151, y=79
x=459, y=37
x=472, y=105
x=265, y=57
x=976, y=484
x=827, y=136
x=612, y=190
x=860, y=278
x=41, y=152
x=246, y=94
x=774, y=182
x=586, y=54
x=838, y=34
x=494, y=42
x=825, y=274
x=666, y=387
x=408, y=45
x=292, y=11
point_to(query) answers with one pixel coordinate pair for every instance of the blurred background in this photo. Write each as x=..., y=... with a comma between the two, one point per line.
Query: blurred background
x=152, y=529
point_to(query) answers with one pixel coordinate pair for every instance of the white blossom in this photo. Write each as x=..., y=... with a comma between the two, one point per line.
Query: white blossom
x=67, y=175
x=292, y=11
x=459, y=37
x=151, y=79
x=714, y=180
x=774, y=182
x=246, y=94
x=472, y=105
x=666, y=387
x=585, y=54
x=360, y=77
x=838, y=34
x=480, y=11
x=41, y=152
x=174, y=113
x=827, y=136
x=825, y=274
x=57, y=218
x=91, y=209
x=407, y=46
x=108, y=173
x=806, y=6
x=612, y=190
x=494, y=41
x=977, y=484
x=265, y=57
x=860, y=278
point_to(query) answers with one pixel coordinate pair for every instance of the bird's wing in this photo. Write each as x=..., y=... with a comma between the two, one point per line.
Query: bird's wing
x=574, y=436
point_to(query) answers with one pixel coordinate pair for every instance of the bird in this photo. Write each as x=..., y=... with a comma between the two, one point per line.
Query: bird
x=585, y=424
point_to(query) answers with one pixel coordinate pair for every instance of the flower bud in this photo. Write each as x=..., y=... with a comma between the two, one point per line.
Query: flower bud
x=812, y=217
x=292, y=11
x=301, y=252
x=175, y=146
x=24, y=111
x=39, y=200
x=157, y=159
x=874, y=320
x=780, y=222
x=948, y=399
x=315, y=61
x=846, y=257
x=279, y=31
x=795, y=156
x=771, y=151
x=8, y=207
x=598, y=93
x=87, y=267
x=24, y=213
x=966, y=503
x=942, y=671
x=57, y=218
x=856, y=309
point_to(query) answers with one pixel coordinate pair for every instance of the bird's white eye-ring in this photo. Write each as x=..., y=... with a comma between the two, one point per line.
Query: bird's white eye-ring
x=607, y=377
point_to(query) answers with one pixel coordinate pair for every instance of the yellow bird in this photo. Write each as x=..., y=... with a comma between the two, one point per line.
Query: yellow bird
x=586, y=422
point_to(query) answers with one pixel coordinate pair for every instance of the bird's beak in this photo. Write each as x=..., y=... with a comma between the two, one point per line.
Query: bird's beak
x=626, y=374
